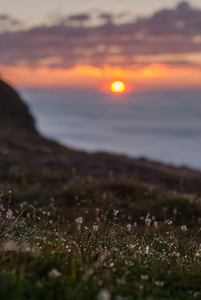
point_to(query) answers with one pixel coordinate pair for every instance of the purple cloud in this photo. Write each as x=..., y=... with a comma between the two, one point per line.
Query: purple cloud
x=163, y=36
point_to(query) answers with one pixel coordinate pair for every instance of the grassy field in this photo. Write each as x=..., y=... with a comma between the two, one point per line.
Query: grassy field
x=111, y=239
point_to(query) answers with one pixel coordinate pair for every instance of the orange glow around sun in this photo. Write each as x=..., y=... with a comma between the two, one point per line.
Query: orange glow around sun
x=137, y=78
x=118, y=87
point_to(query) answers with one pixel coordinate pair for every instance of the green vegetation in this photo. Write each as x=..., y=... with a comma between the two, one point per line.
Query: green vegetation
x=98, y=246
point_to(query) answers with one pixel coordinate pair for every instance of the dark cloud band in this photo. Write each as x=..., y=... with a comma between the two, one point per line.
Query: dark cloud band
x=166, y=35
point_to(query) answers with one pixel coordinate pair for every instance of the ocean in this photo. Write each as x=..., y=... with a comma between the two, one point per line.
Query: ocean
x=161, y=125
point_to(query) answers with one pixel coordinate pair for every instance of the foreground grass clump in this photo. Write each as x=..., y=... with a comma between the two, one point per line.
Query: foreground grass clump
x=110, y=256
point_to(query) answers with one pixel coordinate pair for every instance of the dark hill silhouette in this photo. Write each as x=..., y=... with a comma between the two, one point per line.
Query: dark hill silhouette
x=25, y=150
x=17, y=127
x=13, y=112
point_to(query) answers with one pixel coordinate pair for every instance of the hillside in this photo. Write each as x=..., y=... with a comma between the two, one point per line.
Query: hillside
x=24, y=150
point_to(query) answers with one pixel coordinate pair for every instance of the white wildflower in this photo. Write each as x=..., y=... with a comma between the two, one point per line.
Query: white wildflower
x=159, y=283
x=144, y=277
x=9, y=214
x=95, y=228
x=129, y=227
x=147, y=250
x=54, y=273
x=148, y=221
x=79, y=220
x=104, y=295
x=28, y=216
x=115, y=212
x=156, y=224
x=184, y=228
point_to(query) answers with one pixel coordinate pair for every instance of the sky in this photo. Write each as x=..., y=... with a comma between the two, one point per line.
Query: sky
x=35, y=12
x=88, y=44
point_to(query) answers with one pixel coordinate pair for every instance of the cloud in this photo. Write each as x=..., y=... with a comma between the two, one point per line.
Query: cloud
x=106, y=17
x=76, y=20
x=163, y=37
x=8, y=23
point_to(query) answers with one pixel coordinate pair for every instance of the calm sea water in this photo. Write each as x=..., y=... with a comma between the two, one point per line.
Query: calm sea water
x=163, y=125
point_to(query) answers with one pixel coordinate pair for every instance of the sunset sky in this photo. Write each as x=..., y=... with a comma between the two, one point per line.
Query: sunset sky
x=87, y=45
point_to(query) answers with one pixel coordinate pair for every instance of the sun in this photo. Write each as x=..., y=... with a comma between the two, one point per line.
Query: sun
x=118, y=87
